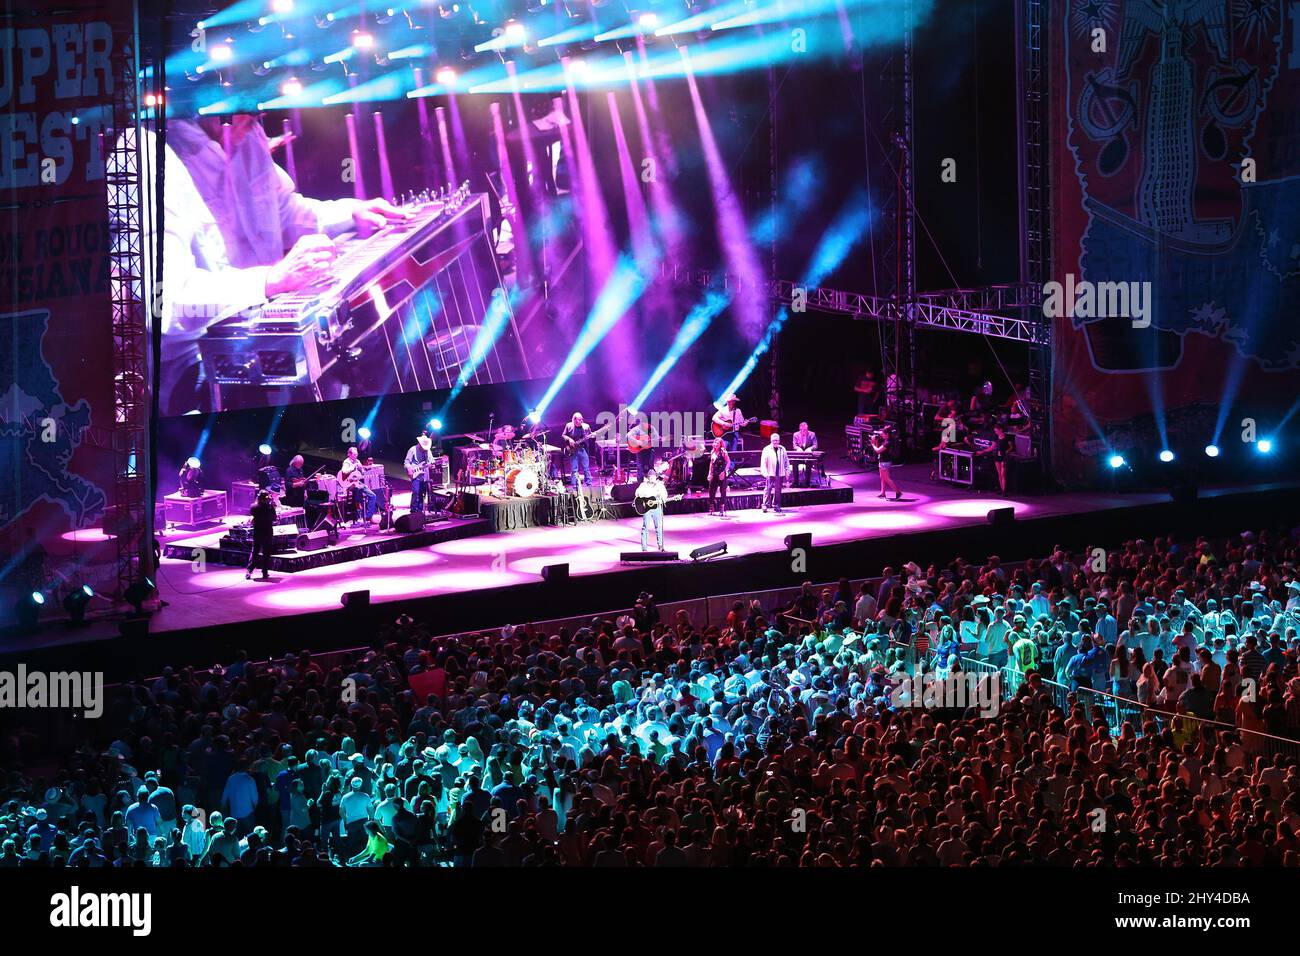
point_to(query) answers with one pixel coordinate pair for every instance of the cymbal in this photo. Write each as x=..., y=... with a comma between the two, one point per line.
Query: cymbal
x=484, y=446
x=550, y=448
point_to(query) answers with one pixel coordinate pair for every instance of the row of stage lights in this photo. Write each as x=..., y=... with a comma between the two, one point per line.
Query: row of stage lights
x=1166, y=456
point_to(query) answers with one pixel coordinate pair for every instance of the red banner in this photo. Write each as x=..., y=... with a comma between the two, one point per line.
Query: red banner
x=1176, y=154
x=56, y=360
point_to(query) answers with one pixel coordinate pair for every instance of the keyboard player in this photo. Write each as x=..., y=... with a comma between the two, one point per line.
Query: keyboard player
x=801, y=466
x=237, y=234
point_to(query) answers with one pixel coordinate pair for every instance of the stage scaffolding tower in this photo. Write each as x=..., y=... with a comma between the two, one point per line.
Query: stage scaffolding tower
x=126, y=209
x=898, y=329
x=1035, y=216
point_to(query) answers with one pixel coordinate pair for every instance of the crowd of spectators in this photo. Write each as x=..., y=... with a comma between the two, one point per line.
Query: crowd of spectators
x=772, y=739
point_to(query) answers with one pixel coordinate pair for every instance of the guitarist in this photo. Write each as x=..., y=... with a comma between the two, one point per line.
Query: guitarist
x=419, y=458
x=575, y=437
x=727, y=423
x=651, y=494
x=352, y=478
x=641, y=438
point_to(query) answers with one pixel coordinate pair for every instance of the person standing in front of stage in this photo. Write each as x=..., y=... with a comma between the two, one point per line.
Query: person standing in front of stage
x=575, y=442
x=419, y=458
x=719, y=465
x=653, y=491
x=774, y=467
x=886, y=449
x=263, y=512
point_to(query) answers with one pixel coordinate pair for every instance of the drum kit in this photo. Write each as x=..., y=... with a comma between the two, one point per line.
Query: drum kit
x=511, y=466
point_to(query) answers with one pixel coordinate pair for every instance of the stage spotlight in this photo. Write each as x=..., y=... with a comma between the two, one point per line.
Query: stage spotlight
x=648, y=21
x=75, y=604
x=446, y=76
x=137, y=593
x=535, y=418
x=264, y=449
x=220, y=53
x=1212, y=451
x=435, y=424
x=193, y=462
x=1116, y=461
x=282, y=6
x=291, y=87
x=363, y=41
x=515, y=32
x=363, y=433
x=1166, y=455
x=1264, y=446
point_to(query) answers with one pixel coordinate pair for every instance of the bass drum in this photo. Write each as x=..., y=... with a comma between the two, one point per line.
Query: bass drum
x=522, y=482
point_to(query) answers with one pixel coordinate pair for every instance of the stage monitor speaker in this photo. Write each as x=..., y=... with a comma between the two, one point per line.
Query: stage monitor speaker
x=709, y=551
x=312, y=540
x=632, y=557
x=355, y=600
x=555, y=573
x=411, y=521
x=1184, y=494
x=1001, y=517
x=623, y=493
x=801, y=540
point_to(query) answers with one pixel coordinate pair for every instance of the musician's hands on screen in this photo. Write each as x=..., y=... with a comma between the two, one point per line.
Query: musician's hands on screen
x=307, y=262
x=373, y=214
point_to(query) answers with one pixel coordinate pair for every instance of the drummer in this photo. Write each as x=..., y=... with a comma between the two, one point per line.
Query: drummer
x=502, y=438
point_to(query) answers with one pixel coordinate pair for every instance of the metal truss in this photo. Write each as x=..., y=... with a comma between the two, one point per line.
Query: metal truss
x=1035, y=214
x=993, y=311
x=130, y=331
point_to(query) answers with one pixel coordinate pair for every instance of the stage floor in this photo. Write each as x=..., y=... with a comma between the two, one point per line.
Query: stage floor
x=220, y=595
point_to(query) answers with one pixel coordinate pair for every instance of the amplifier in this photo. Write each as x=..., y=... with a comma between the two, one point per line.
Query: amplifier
x=242, y=496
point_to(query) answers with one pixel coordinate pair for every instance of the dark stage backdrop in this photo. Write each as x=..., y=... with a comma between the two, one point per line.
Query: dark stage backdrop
x=1149, y=187
x=56, y=346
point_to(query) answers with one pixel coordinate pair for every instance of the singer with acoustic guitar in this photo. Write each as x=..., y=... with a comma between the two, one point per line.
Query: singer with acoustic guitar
x=651, y=496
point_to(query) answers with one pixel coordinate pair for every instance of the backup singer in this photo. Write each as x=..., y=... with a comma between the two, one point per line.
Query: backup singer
x=885, y=446
x=652, y=488
x=419, y=458
x=263, y=512
x=232, y=247
x=1003, y=450
x=719, y=464
x=575, y=437
x=774, y=466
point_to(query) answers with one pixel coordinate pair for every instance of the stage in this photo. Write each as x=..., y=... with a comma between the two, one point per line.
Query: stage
x=492, y=579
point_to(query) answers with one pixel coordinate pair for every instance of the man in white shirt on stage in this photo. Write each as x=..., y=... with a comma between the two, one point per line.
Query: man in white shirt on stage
x=652, y=489
x=774, y=466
